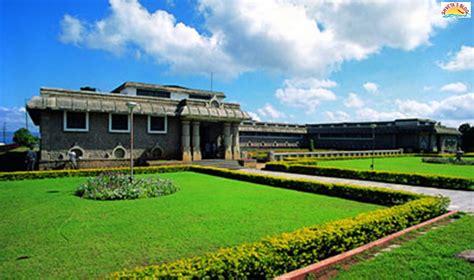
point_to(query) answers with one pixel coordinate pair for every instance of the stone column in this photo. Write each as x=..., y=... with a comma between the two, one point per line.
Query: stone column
x=227, y=142
x=196, y=142
x=235, y=142
x=185, y=141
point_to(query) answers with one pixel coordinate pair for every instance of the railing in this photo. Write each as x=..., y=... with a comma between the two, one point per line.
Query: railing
x=333, y=154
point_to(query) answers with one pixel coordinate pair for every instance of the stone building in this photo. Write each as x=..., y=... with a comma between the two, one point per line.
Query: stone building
x=177, y=123
x=412, y=135
x=170, y=122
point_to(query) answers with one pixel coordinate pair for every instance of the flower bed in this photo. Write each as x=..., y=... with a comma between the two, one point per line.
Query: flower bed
x=110, y=186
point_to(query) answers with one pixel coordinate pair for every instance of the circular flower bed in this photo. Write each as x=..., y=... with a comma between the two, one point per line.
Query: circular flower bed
x=109, y=186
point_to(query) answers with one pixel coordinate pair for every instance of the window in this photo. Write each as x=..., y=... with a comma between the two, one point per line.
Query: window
x=157, y=124
x=119, y=123
x=197, y=96
x=76, y=121
x=154, y=93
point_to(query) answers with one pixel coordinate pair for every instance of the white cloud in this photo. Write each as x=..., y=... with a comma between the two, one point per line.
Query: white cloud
x=254, y=116
x=131, y=26
x=14, y=118
x=457, y=107
x=369, y=114
x=454, y=87
x=353, y=101
x=463, y=60
x=269, y=112
x=294, y=37
x=338, y=116
x=427, y=88
x=371, y=87
x=71, y=30
x=305, y=93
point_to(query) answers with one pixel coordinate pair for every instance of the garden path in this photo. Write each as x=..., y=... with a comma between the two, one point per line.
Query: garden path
x=460, y=200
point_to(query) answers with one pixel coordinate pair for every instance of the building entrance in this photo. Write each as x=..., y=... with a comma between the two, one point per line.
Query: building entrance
x=212, y=140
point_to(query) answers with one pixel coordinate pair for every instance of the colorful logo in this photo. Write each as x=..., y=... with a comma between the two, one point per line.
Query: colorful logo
x=456, y=9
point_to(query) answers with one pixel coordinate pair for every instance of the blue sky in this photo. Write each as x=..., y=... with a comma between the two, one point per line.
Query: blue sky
x=284, y=61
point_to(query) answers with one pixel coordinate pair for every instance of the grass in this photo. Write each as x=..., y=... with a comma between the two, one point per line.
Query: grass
x=47, y=232
x=430, y=256
x=404, y=165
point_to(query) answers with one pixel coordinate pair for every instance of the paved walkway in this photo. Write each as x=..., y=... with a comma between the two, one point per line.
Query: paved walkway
x=460, y=200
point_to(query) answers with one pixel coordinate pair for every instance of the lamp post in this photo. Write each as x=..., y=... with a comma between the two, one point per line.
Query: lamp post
x=373, y=126
x=131, y=106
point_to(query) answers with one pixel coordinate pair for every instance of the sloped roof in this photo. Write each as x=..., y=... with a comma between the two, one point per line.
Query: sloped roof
x=86, y=101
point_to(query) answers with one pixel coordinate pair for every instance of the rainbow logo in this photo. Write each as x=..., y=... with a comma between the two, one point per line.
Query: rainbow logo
x=456, y=9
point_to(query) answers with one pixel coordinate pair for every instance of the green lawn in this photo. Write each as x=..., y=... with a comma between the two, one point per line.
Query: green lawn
x=63, y=235
x=430, y=256
x=403, y=164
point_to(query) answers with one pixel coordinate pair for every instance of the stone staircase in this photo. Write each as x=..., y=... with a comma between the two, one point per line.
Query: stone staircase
x=220, y=163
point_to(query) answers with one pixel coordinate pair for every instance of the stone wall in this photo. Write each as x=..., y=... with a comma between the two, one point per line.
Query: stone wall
x=99, y=143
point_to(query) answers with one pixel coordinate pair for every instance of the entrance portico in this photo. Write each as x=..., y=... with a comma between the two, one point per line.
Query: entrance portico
x=210, y=129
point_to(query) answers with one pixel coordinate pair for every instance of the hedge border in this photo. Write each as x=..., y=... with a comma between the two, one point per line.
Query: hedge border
x=276, y=255
x=416, y=179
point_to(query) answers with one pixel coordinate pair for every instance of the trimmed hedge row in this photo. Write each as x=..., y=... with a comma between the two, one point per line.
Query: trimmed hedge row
x=276, y=255
x=26, y=175
x=314, y=160
x=436, y=181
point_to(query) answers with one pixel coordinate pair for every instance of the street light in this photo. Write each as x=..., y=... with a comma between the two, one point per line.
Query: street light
x=131, y=106
x=373, y=126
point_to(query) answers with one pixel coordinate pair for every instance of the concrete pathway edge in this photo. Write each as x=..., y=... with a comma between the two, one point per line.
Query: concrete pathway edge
x=316, y=267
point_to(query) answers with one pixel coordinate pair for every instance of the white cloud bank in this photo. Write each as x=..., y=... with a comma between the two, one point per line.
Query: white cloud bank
x=454, y=87
x=294, y=37
x=462, y=60
x=453, y=110
x=371, y=87
x=353, y=101
x=306, y=94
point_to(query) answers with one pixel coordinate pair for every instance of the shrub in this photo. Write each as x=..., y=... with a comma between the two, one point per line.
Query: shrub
x=44, y=174
x=442, y=160
x=24, y=137
x=110, y=186
x=436, y=181
x=276, y=255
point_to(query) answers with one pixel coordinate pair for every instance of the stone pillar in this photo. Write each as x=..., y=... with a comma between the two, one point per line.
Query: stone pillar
x=227, y=142
x=185, y=141
x=235, y=142
x=196, y=142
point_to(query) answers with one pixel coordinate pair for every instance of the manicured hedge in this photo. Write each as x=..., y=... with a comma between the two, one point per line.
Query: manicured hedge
x=443, y=182
x=273, y=256
x=25, y=175
x=314, y=160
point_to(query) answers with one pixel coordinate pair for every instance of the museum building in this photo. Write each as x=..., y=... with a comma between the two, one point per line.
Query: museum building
x=177, y=123
x=170, y=122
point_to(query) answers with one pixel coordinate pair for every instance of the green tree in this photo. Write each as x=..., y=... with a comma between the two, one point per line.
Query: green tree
x=24, y=137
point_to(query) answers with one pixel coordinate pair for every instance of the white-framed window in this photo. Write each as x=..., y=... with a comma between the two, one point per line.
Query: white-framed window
x=76, y=121
x=157, y=124
x=119, y=123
